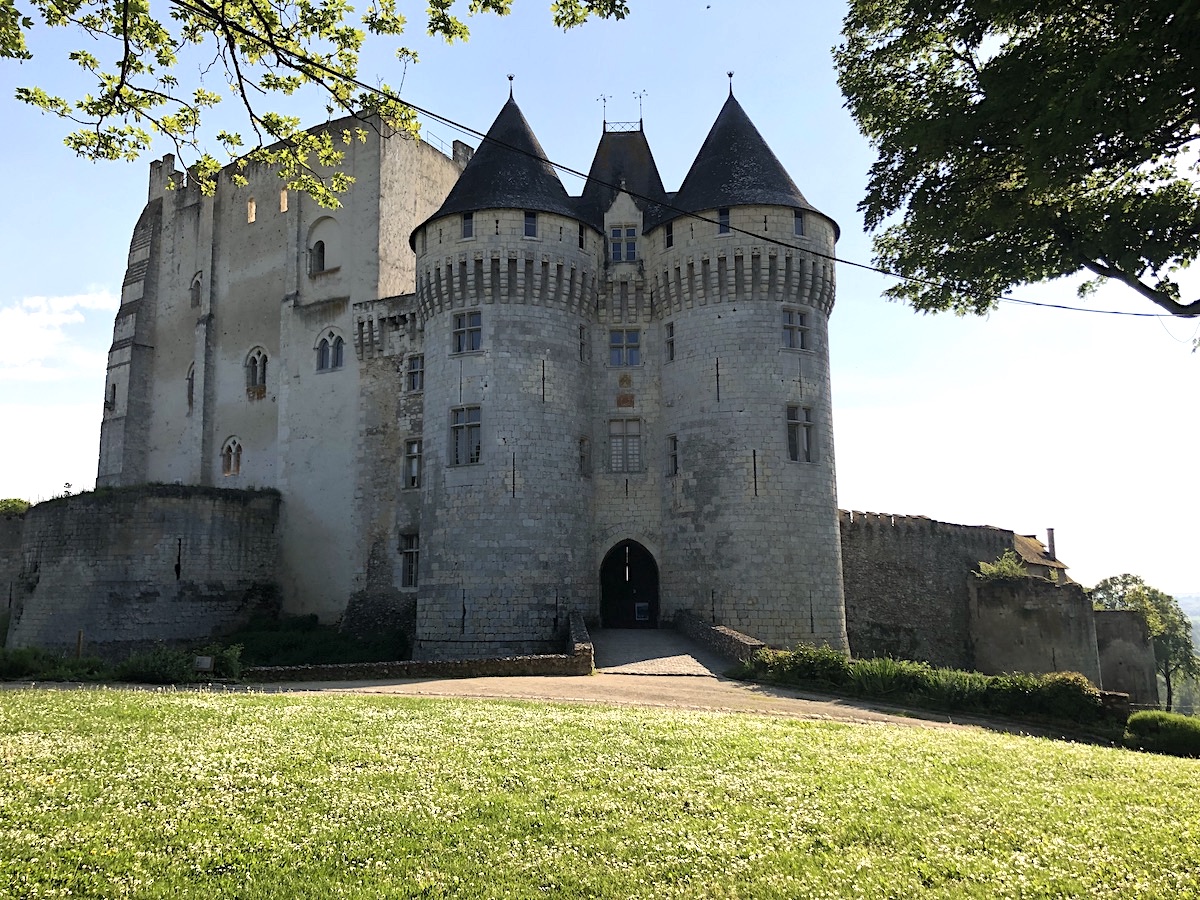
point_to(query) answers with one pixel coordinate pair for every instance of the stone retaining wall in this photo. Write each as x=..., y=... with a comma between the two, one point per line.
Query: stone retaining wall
x=729, y=643
x=578, y=659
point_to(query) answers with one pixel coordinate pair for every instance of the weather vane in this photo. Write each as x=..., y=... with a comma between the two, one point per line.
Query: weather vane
x=510, y=81
x=604, y=98
x=640, y=95
x=730, y=74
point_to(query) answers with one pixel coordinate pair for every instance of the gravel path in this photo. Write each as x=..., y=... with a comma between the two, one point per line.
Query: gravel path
x=642, y=668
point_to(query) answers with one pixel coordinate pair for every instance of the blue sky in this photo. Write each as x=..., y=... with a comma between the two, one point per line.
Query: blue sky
x=1026, y=419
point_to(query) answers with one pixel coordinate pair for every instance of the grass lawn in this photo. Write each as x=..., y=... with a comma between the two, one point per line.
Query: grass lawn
x=114, y=793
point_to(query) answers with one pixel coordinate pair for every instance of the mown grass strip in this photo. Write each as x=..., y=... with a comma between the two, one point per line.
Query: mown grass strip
x=113, y=793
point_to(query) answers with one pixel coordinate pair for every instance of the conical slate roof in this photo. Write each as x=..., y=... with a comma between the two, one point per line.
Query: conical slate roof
x=734, y=167
x=508, y=171
x=622, y=158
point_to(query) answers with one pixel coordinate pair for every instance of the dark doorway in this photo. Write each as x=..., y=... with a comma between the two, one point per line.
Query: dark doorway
x=629, y=587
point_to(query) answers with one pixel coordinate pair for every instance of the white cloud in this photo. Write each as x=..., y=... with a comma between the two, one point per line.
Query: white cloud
x=56, y=338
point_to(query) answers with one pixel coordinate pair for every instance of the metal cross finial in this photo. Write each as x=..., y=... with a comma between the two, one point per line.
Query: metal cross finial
x=510, y=88
x=604, y=98
x=730, y=74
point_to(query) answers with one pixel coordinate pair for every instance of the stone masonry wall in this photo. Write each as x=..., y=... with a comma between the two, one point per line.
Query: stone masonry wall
x=906, y=584
x=131, y=566
x=11, y=528
x=1126, y=655
x=1032, y=625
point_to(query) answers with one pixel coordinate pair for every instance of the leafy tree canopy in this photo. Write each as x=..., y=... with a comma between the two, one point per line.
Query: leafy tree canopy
x=13, y=506
x=139, y=86
x=1170, y=630
x=1019, y=142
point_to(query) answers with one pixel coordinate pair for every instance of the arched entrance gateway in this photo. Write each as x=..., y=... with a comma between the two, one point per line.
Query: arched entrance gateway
x=629, y=587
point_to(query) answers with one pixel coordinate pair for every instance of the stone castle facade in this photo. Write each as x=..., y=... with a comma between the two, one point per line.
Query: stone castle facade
x=475, y=406
x=617, y=402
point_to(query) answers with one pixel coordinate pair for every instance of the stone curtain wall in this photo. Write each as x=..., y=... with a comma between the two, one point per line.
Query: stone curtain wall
x=906, y=584
x=1033, y=625
x=1126, y=655
x=132, y=566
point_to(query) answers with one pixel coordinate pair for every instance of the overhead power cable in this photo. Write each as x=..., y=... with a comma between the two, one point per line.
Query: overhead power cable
x=305, y=60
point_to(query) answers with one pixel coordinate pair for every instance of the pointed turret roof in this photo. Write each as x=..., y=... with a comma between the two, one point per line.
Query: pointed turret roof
x=508, y=171
x=734, y=167
x=623, y=158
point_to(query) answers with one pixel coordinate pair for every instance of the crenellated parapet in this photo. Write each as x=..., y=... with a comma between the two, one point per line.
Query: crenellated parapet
x=885, y=525
x=515, y=275
x=743, y=273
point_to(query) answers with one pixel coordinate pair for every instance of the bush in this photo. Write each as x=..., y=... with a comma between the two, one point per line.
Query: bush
x=302, y=640
x=1007, y=567
x=1171, y=734
x=43, y=665
x=1062, y=696
x=162, y=665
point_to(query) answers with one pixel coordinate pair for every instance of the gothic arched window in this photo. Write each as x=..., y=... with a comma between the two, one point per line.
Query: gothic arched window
x=256, y=374
x=231, y=457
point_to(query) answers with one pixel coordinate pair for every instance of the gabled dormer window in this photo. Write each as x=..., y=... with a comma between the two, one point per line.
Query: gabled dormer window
x=623, y=243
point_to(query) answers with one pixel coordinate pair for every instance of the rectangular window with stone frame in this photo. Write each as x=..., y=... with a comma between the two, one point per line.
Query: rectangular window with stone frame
x=625, y=445
x=468, y=332
x=624, y=347
x=410, y=558
x=414, y=374
x=412, y=463
x=795, y=330
x=672, y=455
x=623, y=243
x=801, y=434
x=669, y=343
x=468, y=225
x=466, y=447
x=531, y=225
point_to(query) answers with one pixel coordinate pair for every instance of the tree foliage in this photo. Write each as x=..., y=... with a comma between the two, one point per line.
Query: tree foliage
x=1170, y=630
x=1019, y=142
x=13, y=506
x=140, y=86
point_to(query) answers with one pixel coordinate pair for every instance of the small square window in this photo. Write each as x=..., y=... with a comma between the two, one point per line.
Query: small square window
x=801, y=434
x=531, y=224
x=414, y=374
x=672, y=454
x=795, y=330
x=625, y=445
x=669, y=348
x=468, y=332
x=468, y=225
x=412, y=464
x=410, y=557
x=723, y=220
x=465, y=439
x=624, y=347
x=799, y=213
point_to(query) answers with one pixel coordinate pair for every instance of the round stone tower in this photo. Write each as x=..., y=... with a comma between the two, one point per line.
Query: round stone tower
x=742, y=275
x=506, y=286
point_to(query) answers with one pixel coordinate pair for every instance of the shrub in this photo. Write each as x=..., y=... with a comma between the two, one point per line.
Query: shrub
x=1008, y=566
x=1068, y=695
x=161, y=665
x=43, y=665
x=1163, y=732
x=882, y=676
x=822, y=665
x=302, y=640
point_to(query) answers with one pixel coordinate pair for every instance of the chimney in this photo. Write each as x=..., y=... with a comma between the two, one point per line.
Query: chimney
x=1050, y=543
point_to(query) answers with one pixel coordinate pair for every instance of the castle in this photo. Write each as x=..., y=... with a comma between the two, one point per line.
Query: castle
x=617, y=402
x=483, y=404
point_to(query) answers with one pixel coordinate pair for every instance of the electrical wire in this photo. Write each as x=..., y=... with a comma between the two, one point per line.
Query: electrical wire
x=483, y=137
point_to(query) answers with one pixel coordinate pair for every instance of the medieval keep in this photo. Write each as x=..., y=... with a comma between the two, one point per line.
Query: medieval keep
x=474, y=404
